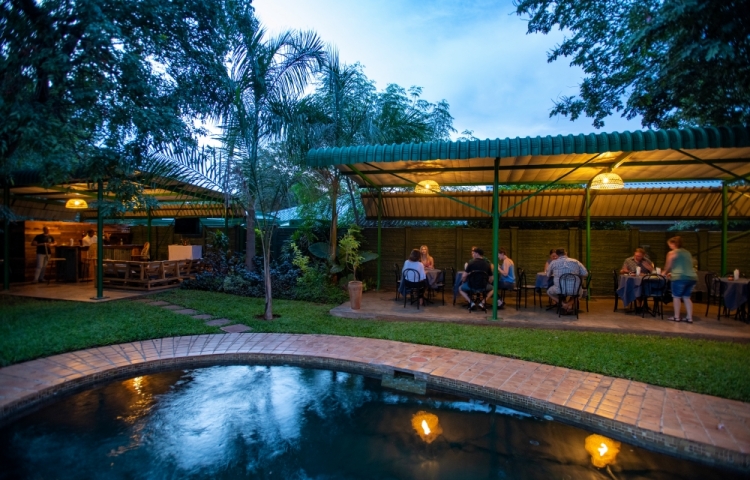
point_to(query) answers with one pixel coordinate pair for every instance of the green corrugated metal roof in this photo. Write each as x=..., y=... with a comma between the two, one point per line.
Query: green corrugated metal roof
x=688, y=139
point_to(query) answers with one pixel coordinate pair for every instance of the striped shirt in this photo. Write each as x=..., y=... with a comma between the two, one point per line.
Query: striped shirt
x=563, y=265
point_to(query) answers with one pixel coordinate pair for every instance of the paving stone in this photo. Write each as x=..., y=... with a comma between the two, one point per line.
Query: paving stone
x=238, y=328
x=218, y=322
x=158, y=303
x=171, y=307
x=203, y=316
x=186, y=311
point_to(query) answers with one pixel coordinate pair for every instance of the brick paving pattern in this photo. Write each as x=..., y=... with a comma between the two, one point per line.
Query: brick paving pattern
x=689, y=425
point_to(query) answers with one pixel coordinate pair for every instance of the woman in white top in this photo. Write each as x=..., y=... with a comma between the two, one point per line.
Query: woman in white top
x=414, y=263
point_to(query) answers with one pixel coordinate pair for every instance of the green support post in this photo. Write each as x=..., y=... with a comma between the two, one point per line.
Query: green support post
x=380, y=214
x=99, y=243
x=495, y=236
x=588, y=228
x=724, y=225
x=6, y=239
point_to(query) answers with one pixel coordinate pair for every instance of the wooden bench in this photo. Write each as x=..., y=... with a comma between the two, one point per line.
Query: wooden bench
x=140, y=275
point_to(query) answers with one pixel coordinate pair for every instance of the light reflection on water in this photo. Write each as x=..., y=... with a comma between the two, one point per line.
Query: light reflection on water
x=288, y=422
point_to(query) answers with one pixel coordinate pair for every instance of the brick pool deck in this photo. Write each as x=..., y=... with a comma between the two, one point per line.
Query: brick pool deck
x=699, y=427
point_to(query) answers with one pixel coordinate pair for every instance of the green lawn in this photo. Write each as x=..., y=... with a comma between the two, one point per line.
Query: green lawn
x=715, y=368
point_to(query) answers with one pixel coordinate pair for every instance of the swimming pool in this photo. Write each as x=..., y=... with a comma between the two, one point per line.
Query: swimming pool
x=287, y=422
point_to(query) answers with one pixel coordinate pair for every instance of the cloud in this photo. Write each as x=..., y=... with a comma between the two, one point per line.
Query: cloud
x=474, y=54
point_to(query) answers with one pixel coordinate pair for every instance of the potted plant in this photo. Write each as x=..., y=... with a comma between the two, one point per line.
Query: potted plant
x=350, y=258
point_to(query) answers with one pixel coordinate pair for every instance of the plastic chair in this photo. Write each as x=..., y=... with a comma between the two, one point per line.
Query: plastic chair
x=412, y=286
x=477, y=282
x=570, y=286
x=653, y=286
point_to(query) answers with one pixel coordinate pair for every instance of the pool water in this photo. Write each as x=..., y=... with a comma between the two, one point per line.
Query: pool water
x=295, y=423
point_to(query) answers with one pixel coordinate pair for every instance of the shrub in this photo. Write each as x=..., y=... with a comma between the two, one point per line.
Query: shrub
x=315, y=286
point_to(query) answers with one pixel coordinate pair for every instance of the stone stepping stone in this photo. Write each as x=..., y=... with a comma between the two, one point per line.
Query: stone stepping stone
x=203, y=316
x=218, y=322
x=171, y=307
x=158, y=303
x=186, y=311
x=238, y=328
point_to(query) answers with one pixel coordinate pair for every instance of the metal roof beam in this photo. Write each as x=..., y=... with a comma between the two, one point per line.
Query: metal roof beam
x=710, y=164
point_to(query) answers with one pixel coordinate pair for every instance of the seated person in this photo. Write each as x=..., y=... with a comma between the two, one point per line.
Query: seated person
x=552, y=256
x=506, y=270
x=413, y=263
x=639, y=259
x=425, y=258
x=477, y=263
x=559, y=267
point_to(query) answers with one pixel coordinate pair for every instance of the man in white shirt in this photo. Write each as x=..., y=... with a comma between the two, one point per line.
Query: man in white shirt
x=89, y=239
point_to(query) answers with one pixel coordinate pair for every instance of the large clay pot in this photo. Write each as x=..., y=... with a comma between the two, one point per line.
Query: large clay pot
x=355, y=294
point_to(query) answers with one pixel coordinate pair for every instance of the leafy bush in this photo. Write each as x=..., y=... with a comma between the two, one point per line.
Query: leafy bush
x=315, y=286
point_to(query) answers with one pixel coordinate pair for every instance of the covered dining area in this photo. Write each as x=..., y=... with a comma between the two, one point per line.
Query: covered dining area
x=91, y=245
x=688, y=174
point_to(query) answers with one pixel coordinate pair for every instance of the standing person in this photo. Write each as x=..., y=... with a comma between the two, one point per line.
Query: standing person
x=477, y=263
x=639, y=259
x=560, y=267
x=90, y=239
x=42, y=242
x=680, y=265
x=507, y=271
x=425, y=258
x=413, y=263
x=552, y=256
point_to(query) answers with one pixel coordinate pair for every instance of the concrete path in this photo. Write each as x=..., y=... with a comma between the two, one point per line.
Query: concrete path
x=601, y=317
x=700, y=427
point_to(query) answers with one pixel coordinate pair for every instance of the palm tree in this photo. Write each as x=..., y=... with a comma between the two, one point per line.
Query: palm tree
x=265, y=78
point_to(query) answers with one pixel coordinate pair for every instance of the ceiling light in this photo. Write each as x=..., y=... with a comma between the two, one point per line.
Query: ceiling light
x=76, y=204
x=607, y=181
x=427, y=186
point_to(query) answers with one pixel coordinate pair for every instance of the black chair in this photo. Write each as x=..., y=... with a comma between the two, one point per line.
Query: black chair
x=413, y=287
x=616, y=278
x=587, y=291
x=397, y=273
x=523, y=287
x=570, y=286
x=713, y=290
x=477, y=282
x=653, y=286
x=439, y=286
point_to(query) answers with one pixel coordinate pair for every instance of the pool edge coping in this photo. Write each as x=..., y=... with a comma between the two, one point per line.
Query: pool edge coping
x=113, y=367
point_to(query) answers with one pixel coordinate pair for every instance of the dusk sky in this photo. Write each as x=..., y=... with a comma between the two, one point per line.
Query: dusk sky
x=474, y=54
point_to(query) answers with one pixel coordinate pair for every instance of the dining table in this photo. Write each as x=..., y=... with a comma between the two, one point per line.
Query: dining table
x=735, y=292
x=543, y=280
x=629, y=288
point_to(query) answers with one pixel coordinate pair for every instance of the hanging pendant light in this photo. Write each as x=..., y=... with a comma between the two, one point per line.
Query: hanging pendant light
x=427, y=186
x=76, y=204
x=607, y=181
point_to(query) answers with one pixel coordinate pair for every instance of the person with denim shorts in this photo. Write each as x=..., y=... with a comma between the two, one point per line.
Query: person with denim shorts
x=477, y=263
x=680, y=266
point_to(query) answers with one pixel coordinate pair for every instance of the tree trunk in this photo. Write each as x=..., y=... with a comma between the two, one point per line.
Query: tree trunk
x=334, y=218
x=268, y=312
x=250, y=240
x=350, y=186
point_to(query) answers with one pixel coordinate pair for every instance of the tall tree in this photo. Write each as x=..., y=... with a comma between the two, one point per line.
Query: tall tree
x=673, y=62
x=265, y=78
x=99, y=83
